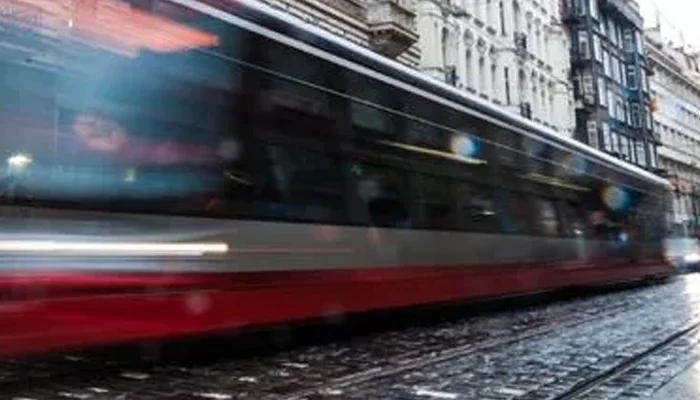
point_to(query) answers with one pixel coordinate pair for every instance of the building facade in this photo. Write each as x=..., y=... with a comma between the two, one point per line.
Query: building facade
x=676, y=91
x=513, y=53
x=610, y=75
x=386, y=26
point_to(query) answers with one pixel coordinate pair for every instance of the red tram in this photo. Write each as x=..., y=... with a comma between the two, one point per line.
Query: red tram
x=178, y=166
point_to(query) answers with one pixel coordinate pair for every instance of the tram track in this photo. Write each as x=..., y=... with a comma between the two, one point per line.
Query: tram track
x=435, y=358
x=587, y=387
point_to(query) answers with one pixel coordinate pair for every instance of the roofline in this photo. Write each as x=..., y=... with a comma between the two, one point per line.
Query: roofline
x=466, y=97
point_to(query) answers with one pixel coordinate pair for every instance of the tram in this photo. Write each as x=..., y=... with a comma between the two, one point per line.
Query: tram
x=175, y=167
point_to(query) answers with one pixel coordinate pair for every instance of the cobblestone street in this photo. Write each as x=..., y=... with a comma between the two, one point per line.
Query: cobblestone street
x=555, y=351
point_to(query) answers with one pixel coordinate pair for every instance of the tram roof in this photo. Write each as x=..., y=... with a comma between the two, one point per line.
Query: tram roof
x=270, y=22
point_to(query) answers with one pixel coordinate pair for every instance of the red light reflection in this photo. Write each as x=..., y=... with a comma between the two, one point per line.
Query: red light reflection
x=111, y=24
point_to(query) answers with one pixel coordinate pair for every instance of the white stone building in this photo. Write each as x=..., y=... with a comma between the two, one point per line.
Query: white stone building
x=675, y=90
x=514, y=53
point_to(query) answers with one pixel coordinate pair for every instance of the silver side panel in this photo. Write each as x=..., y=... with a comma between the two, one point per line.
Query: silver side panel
x=269, y=246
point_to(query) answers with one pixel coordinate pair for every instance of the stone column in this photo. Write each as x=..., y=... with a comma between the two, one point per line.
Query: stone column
x=429, y=24
x=461, y=55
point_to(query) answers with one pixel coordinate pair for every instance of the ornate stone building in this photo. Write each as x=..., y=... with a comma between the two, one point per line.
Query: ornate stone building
x=514, y=53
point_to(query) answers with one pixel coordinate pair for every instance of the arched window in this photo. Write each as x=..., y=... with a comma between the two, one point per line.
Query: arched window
x=517, y=14
x=482, y=75
x=496, y=91
x=444, y=45
x=469, y=69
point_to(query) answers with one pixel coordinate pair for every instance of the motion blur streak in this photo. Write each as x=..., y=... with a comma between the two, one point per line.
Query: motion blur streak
x=112, y=248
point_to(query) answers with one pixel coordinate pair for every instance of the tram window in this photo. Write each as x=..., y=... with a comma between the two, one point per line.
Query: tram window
x=478, y=208
x=369, y=107
x=508, y=152
x=372, y=121
x=372, y=91
x=297, y=65
x=513, y=212
x=309, y=184
x=574, y=220
x=283, y=94
x=422, y=134
x=382, y=192
x=547, y=220
x=434, y=196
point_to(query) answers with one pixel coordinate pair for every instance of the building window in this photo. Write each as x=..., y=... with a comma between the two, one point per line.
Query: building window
x=631, y=77
x=611, y=103
x=443, y=46
x=494, y=83
x=611, y=32
x=641, y=154
x=628, y=36
x=469, y=72
x=501, y=14
x=593, y=4
x=615, y=140
x=643, y=79
x=620, y=110
x=482, y=75
x=506, y=79
x=616, y=69
x=653, y=162
x=597, y=50
x=633, y=150
x=634, y=115
x=606, y=62
x=583, y=46
x=619, y=36
x=639, y=40
x=624, y=148
x=623, y=75
x=601, y=91
x=607, y=141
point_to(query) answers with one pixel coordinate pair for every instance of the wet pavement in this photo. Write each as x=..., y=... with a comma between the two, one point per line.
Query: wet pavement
x=624, y=345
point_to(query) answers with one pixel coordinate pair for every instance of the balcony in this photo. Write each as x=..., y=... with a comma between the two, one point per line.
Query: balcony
x=625, y=8
x=392, y=26
x=520, y=41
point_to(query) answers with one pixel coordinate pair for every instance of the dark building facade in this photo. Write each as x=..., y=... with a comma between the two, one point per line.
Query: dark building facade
x=610, y=75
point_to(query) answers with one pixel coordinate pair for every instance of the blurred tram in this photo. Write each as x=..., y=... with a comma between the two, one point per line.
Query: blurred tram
x=178, y=166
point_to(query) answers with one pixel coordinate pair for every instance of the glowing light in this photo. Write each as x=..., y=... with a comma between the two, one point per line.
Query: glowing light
x=113, y=248
x=616, y=198
x=19, y=160
x=692, y=258
x=464, y=146
x=111, y=24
